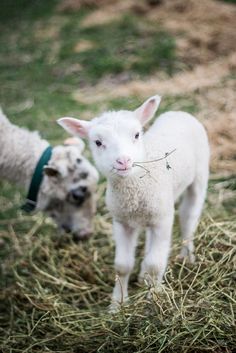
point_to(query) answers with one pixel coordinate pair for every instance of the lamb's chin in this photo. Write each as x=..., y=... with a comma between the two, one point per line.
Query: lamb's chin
x=124, y=173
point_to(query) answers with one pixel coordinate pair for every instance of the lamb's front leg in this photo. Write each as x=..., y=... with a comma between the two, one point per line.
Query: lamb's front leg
x=158, y=241
x=126, y=240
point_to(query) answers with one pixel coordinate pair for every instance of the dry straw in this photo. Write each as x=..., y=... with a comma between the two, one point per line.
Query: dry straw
x=55, y=293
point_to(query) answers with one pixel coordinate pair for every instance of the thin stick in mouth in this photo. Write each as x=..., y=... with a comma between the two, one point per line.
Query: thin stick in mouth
x=147, y=171
x=167, y=154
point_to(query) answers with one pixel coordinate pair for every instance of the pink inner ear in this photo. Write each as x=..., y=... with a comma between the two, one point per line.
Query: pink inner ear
x=148, y=110
x=74, y=126
x=81, y=130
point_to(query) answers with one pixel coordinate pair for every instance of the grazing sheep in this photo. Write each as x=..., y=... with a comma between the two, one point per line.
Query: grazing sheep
x=147, y=173
x=67, y=190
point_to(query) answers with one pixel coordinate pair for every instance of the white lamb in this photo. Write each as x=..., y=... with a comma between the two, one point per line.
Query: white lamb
x=142, y=194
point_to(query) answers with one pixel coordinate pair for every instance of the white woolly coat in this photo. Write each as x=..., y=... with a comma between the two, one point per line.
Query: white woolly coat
x=20, y=151
x=141, y=199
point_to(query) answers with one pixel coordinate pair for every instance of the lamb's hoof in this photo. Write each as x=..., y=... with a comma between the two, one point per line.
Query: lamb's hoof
x=114, y=307
x=190, y=258
x=141, y=278
x=155, y=291
x=145, y=278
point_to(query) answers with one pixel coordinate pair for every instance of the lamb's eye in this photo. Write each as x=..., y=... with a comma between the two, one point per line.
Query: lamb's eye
x=98, y=143
x=136, y=136
x=78, y=160
x=83, y=175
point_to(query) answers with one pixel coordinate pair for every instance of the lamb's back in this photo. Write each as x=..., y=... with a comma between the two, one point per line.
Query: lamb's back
x=181, y=132
x=176, y=128
x=20, y=150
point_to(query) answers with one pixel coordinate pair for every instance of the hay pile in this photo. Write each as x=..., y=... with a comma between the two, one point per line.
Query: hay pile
x=218, y=112
x=204, y=29
x=55, y=293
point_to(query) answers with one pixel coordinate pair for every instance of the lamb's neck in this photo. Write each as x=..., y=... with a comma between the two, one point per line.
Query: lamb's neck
x=20, y=153
x=126, y=199
x=118, y=182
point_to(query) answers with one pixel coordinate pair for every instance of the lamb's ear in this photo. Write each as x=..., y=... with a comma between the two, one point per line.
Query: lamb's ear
x=51, y=171
x=75, y=141
x=74, y=126
x=147, y=110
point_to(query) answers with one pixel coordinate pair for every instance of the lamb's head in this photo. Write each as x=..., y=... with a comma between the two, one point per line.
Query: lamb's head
x=68, y=190
x=115, y=137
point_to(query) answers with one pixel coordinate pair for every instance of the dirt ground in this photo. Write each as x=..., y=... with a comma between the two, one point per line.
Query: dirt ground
x=205, y=37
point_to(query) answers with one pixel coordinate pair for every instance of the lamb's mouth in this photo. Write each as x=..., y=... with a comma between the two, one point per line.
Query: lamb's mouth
x=122, y=171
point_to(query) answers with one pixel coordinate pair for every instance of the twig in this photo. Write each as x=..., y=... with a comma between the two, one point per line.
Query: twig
x=167, y=154
x=147, y=171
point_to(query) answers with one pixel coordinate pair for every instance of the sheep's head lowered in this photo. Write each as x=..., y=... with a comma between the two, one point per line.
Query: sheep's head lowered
x=68, y=190
x=115, y=137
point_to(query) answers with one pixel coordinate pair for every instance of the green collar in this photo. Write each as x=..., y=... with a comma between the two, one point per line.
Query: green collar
x=36, y=180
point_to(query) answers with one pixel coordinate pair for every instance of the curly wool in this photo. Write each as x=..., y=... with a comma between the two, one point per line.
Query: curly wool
x=20, y=151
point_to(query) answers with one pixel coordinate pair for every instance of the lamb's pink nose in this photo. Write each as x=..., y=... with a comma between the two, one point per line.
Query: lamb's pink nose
x=124, y=162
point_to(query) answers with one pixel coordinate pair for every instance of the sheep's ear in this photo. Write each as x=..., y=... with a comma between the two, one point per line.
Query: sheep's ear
x=75, y=126
x=51, y=171
x=147, y=109
x=75, y=141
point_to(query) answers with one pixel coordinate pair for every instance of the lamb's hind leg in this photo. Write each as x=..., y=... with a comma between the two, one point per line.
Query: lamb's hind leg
x=158, y=240
x=189, y=213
